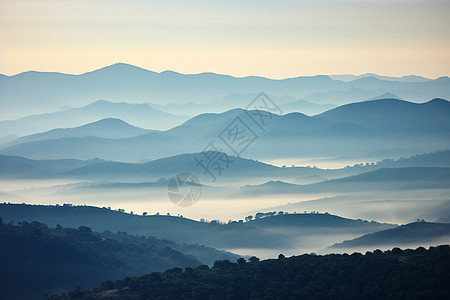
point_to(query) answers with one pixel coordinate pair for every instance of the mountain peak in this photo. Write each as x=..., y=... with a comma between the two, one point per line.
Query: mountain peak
x=100, y=102
x=108, y=122
x=438, y=102
x=120, y=65
x=387, y=95
x=122, y=68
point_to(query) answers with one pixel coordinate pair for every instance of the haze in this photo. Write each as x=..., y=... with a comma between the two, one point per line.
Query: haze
x=276, y=39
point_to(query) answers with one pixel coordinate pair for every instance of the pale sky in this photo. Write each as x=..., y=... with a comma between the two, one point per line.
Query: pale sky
x=277, y=39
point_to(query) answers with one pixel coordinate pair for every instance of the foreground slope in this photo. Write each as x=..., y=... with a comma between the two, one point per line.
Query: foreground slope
x=36, y=259
x=396, y=274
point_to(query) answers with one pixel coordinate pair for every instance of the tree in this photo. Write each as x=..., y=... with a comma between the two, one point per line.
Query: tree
x=144, y=213
x=248, y=218
x=253, y=259
x=222, y=263
x=107, y=285
x=85, y=230
x=241, y=261
x=397, y=251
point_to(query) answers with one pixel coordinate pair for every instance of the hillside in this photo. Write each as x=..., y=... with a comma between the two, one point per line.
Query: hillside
x=274, y=232
x=48, y=260
x=433, y=159
x=90, y=147
x=392, y=114
x=304, y=221
x=45, y=260
x=396, y=274
x=409, y=235
x=165, y=227
x=19, y=167
x=387, y=178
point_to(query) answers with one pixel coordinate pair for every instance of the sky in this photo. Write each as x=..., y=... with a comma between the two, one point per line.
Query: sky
x=276, y=39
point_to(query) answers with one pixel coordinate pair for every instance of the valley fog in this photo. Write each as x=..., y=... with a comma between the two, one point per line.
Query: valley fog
x=226, y=203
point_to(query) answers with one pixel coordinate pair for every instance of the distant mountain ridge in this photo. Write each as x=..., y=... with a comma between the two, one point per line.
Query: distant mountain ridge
x=106, y=128
x=235, y=100
x=122, y=82
x=381, y=124
x=385, y=96
x=19, y=167
x=409, y=235
x=141, y=115
x=384, y=114
x=408, y=178
x=407, y=78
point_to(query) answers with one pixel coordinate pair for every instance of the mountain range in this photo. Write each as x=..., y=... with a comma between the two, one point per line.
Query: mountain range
x=40, y=92
x=287, y=104
x=407, y=78
x=355, y=129
x=387, y=178
x=433, y=166
x=141, y=115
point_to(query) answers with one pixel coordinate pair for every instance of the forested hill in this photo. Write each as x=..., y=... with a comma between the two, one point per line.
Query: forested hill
x=254, y=234
x=394, y=274
x=36, y=259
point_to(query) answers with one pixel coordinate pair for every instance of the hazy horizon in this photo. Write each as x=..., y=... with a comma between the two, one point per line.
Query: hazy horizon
x=266, y=38
x=365, y=74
